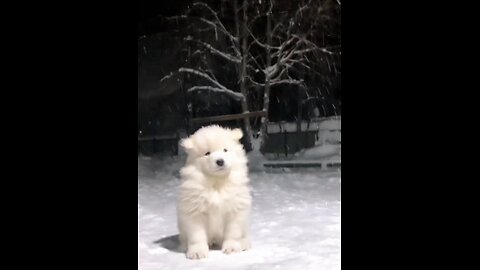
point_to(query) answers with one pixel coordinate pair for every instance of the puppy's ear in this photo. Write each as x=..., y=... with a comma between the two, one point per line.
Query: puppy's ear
x=187, y=144
x=237, y=134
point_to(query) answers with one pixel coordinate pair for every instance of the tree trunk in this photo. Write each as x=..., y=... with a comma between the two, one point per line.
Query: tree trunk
x=242, y=76
x=266, y=93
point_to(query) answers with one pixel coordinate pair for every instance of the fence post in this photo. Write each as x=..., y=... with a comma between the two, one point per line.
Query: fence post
x=299, y=120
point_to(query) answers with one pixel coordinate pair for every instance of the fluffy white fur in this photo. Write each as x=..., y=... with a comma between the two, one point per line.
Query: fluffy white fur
x=214, y=201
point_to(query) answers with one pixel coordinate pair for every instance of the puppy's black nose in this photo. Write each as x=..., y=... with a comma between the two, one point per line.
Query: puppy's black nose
x=220, y=162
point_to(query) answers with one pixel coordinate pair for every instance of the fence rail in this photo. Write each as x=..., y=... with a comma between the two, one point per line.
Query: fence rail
x=227, y=117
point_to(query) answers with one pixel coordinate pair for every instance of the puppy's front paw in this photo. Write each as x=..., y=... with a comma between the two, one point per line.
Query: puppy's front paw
x=246, y=244
x=230, y=246
x=197, y=251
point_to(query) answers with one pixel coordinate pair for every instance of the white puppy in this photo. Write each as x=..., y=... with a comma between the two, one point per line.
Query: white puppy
x=214, y=200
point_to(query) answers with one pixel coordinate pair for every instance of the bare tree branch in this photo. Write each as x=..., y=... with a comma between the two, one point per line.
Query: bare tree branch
x=263, y=45
x=313, y=49
x=235, y=95
x=288, y=81
x=213, y=81
x=224, y=55
x=218, y=22
x=168, y=76
x=277, y=82
x=217, y=25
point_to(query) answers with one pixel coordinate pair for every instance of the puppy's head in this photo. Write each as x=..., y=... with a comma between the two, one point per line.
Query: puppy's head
x=215, y=150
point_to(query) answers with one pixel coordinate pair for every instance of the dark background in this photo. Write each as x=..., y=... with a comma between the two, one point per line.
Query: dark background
x=70, y=133
x=164, y=109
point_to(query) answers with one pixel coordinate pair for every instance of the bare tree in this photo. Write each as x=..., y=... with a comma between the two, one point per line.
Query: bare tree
x=266, y=42
x=287, y=49
x=234, y=53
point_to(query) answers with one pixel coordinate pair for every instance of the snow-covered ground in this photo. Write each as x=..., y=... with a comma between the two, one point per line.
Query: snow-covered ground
x=295, y=220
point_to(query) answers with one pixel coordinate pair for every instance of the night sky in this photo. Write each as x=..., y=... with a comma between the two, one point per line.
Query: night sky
x=151, y=13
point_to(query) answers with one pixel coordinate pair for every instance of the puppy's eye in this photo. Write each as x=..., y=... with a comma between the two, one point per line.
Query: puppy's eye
x=207, y=153
x=224, y=150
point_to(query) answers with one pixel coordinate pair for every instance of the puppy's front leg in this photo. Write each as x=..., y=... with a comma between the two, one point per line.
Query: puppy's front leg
x=197, y=243
x=234, y=232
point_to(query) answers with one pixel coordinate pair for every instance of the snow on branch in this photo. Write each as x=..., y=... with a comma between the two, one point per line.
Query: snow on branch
x=224, y=55
x=166, y=77
x=203, y=75
x=314, y=49
x=287, y=81
x=219, y=87
x=277, y=82
x=271, y=70
x=235, y=95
